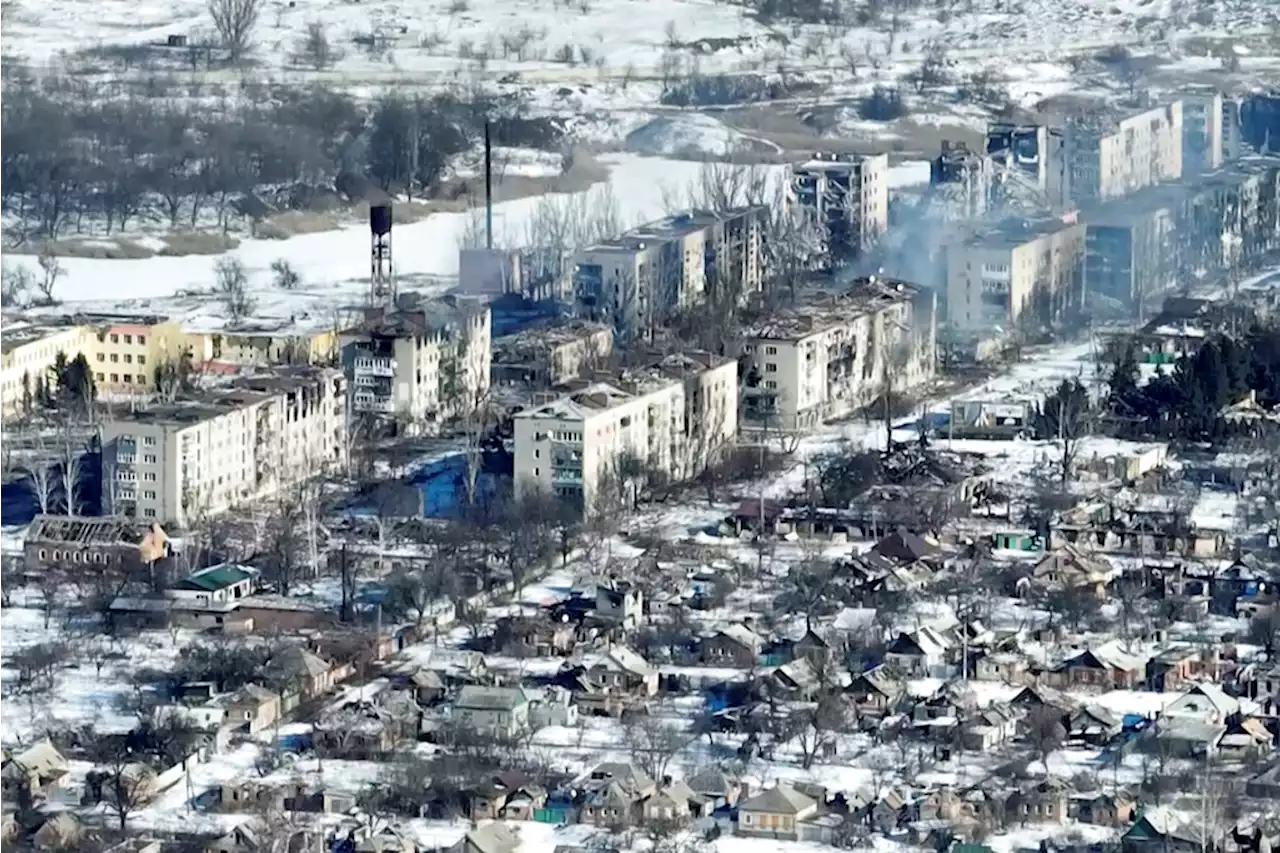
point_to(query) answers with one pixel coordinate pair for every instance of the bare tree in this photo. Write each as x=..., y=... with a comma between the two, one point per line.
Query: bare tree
x=51, y=270
x=235, y=21
x=71, y=467
x=464, y=393
x=16, y=284
x=314, y=48
x=813, y=727
x=653, y=742
x=391, y=507
x=283, y=275
x=232, y=283
x=41, y=479
x=51, y=583
x=284, y=538
x=1045, y=732
x=126, y=783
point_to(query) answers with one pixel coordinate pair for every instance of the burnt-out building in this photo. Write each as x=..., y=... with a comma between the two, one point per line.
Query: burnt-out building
x=1260, y=121
x=105, y=544
x=1145, y=244
x=1028, y=164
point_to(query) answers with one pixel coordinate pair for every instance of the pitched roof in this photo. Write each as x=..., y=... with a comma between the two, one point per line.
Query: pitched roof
x=1100, y=714
x=494, y=837
x=1211, y=693
x=624, y=773
x=710, y=780
x=490, y=698
x=1108, y=657
x=214, y=579
x=297, y=662
x=904, y=546
x=628, y=660
x=780, y=799
x=742, y=635
x=251, y=694
x=41, y=757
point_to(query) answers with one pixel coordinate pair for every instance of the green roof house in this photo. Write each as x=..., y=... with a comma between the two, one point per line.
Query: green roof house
x=216, y=585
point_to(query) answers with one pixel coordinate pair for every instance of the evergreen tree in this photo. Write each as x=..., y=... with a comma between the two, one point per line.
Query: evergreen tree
x=1123, y=391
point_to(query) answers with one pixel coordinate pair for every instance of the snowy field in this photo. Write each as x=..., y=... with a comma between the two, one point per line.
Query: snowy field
x=334, y=265
x=433, y=39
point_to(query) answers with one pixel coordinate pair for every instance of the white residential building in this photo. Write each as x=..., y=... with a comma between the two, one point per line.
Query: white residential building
x=671, y=419
x=833, y=354
x=636, y=280
x=176, y=461
x=1000, y=276
x=847, y=201
x=1202, y=132
x=29, y=351
x=1107, y=158
x=421, y=365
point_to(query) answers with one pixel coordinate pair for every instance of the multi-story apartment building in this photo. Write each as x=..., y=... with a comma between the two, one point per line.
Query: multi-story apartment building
x=601, y=438
x=420, y=365
x=638, y=279
x=175, y=462
x=1027, y=165
x=1260, y=121
x=545, y=356
x=1107, y=158
x=960, y=182
x=1232, y=135
x=846, y=199
x=1001, y=276
x=1131, y=248
x=263, y=344
x=29, y=350
x=1202, y=132
x=128, y=349
x=837, y=352
x=123, y=351
x=1138, y=246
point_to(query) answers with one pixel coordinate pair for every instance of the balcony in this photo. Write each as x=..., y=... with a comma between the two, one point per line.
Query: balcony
x=374, y=366
x=369, y=403
x=566, y=476
x=126, y=458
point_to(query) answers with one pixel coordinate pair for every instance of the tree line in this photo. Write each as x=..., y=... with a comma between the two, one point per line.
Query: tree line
x=75, y=154
x=1186, y=401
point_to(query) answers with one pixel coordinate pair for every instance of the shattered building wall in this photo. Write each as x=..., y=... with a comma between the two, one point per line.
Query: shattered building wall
x=1028, y=167
x=848, y=201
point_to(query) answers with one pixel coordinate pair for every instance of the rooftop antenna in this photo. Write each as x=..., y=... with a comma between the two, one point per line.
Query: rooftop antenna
x=382, y=288
x=488, y=189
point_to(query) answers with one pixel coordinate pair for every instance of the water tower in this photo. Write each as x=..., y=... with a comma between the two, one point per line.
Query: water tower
x=382, y=288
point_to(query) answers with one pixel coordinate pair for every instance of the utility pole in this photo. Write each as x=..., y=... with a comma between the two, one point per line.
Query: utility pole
x=488, y=188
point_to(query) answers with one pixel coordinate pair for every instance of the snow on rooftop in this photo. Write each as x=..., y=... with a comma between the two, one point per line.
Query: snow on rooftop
x=1216, y=511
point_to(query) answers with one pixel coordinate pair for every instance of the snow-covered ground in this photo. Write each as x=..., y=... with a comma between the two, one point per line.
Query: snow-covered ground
x=80, y=694
x=334, y=265
x=432, y=39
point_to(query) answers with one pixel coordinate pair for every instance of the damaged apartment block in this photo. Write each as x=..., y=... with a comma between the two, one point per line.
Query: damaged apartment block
x=835, y=352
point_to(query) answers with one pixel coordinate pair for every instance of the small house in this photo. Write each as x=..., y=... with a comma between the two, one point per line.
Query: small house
x=501, y=711
x=1103, y=669
x=252, y=706
x=1094, y=725
x=919, y=653
x=735, y=646
x=775, y=812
